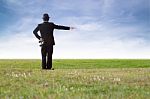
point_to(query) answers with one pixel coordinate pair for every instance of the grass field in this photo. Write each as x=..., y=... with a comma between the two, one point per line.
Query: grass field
x=75, y=79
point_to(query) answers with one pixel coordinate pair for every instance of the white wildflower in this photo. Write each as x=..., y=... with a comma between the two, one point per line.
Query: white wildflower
x=103, y=78
x=16, y=75
x=117, y=79
x=66, y=89
x=46, y=84
x=29, y=74
x=24, y=74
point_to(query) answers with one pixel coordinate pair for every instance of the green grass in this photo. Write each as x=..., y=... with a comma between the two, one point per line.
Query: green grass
x=78, y=63
x=75, y=79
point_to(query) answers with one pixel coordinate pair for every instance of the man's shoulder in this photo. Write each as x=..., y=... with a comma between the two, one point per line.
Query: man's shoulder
x=51, y=23
x=40, y=24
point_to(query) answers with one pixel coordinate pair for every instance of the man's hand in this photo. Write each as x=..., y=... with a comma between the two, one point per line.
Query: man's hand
x=72, y=28
x=41, y=40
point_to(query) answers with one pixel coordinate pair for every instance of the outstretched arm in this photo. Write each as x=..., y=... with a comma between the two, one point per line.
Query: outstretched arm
x=61, y=27
x=35, y=32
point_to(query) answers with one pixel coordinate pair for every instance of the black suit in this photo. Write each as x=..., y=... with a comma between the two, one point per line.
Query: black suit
x=46, y=30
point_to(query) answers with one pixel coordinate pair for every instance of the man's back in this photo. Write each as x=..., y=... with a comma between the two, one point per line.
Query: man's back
x=46, y=29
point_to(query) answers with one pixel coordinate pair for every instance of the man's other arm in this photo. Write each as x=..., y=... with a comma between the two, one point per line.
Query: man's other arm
x=35, y=32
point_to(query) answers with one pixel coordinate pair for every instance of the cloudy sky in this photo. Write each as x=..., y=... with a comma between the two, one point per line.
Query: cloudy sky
x=104, y=28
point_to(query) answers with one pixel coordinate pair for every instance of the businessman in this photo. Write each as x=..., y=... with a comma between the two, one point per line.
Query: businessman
x=46, y=38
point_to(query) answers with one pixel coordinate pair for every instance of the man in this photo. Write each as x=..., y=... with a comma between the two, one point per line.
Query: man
x=47, y=39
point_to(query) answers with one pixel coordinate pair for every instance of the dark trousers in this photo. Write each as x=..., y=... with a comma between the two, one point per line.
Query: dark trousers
x=46, y=51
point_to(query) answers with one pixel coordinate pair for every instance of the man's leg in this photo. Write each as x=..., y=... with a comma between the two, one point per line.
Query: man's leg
x=43, y=52
x=49, y=60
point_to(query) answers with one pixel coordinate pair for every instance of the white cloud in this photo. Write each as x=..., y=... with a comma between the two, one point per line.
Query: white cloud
x=95, y=37
x=107, y=42
x=89, y=40
x=19, y=46
x=80, y=43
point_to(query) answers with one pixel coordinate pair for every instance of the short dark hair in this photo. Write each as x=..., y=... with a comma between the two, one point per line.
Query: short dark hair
x=46, y=19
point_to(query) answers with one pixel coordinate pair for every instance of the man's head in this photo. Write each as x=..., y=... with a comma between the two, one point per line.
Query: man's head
x=45, y=17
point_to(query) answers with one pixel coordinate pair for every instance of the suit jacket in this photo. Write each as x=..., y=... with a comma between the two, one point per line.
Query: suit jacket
x=46, y=30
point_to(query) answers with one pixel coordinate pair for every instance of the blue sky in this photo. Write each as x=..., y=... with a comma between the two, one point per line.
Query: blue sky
x=104, y=28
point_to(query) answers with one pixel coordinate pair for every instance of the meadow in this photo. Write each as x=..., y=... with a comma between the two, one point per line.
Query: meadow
x=75, y=79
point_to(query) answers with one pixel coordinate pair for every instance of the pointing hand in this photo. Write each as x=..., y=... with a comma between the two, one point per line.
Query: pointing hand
x=72, y=28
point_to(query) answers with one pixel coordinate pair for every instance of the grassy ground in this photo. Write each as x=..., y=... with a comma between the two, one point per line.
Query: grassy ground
x=75, y=79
